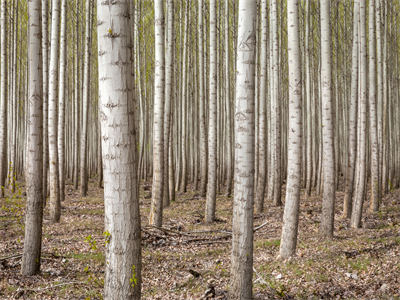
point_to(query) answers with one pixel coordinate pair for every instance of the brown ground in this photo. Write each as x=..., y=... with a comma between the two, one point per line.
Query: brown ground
x=186, y=258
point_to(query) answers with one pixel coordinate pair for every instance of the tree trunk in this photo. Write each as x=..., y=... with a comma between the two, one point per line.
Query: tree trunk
x=158, y=143
x=61, y=99
x=375, y=187
x=359, y=191
x=55, y=205
x=262, y=130
x=3, y=98
x=328, y=155
x=242, y=222
x=122, y=217
x=212, y=126
x=45, y=54
x=291, y=211
x=352, y=135
x=202, y=110
x=85, y=103
x=34, y=183
x=276, y=166
x=169, y=84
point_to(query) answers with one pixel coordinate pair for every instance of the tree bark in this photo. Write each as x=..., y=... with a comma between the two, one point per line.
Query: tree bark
x=158, y=121
x=55, y=205
x=34, y=183
x=352, y=135
x=212, y=126
x=3, y=97
x=242, y=222
x=291, y=210
x=328, y=155
x=61, y=99
x=122, y=217
x=262, y=130
x=85, y=103
x=359, y=192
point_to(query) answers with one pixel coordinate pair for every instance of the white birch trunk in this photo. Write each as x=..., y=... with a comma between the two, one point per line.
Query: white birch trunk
x=359, y=191
x=45, y=55
x=55, y=205
x=85, y=103
x=375, y=187
x=158, y=123
x=212, y=126
x=61, y=99
x=121, y=201
x=242, y=222
x=3, y=97
x=275, y=110
x=34, y=208
x=262, y=129
x=291, y=211
x=328, y=150
x=202, y=110
x=352, y=132
x=169, y=85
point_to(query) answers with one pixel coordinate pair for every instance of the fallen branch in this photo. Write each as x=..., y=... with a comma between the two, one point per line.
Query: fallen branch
x=11, y=256
x=260, y=226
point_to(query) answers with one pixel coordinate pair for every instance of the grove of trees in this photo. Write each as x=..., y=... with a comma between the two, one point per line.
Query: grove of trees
x=261, y=101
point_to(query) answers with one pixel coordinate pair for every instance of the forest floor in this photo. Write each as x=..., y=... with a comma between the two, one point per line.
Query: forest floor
x=188, y=259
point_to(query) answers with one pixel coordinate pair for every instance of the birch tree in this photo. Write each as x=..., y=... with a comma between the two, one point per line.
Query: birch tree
x=121, y=200
x=61, y=99
x=328, y=156
x=55, y=205
x=45, y=70
x=375, y=186
x=158, y=145
x=242, y=222
x=291, y=210
x=262, y=142
x=169, y=84
x=359, y=191
x=85, y=103
x=3, y=97
x=34, y=208
x=202, y=116
x=212, y=124
x=352, y=135
x=275, y=109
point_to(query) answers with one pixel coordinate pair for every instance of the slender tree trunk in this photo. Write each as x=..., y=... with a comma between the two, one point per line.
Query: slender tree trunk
x=122, y=217
x=55, y=205
x=61, y=99
x=328, y=155
x=262, y=130
x=352, y=132
x=360, y=176
x=242, y=222
x=291, y=211
x=85, y=103
x=276, y=166
x=45, y=54
x=34, y=183
x=77, y=111
x=229, y=175
x=3, y=98
x=375, y=187
x=212, y=126
x=158, y=143
x=169, y=84
x=202, y=110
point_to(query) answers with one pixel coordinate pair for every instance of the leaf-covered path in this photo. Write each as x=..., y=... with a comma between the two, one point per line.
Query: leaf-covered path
x=189, y=260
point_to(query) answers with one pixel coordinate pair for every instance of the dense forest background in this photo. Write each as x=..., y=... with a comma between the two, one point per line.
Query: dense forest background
x=199, y=149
